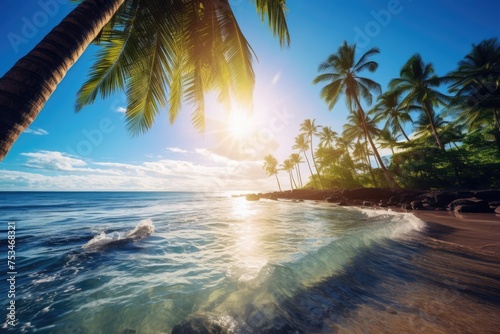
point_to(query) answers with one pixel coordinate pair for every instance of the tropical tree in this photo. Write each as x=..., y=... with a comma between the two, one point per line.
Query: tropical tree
x=288, y=167
x=310, y=129
x=188, y=47
x=296, y=159
x=476, y=86
x=353, y=130
x=341, y=74
x=271, y=167
x=302, y=144
x=390, y=109
x=327, y=137
x=419, y=82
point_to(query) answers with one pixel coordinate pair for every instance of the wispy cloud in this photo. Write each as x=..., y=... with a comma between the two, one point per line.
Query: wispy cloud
x=176, y=150
x=276, y=78
x=52, y=170
x=38, y=132
x=121, y=110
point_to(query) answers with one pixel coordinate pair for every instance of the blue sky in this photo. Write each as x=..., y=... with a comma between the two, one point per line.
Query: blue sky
x=92, y=150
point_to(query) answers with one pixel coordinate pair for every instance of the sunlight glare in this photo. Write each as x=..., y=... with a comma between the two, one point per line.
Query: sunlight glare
x=239, y=124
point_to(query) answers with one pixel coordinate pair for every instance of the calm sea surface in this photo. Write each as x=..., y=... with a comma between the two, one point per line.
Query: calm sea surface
x=218, y=264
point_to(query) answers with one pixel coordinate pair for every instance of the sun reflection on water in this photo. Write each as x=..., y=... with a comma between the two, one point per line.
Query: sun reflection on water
x=249, y=236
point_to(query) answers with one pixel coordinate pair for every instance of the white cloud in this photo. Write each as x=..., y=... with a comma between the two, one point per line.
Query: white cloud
x=176, y=150
x=276, y=78
x=52, y=170
x=38, y=132
x=121, y=110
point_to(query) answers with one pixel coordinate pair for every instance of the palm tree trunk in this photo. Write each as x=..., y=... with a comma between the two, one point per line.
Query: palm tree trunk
x=277, y=180
x=433, y=128
x=375, y=151
x=300, y=176
x=27, y=86
x=315, y=165
x=310, y=169
x=293, y=179
x=403, y=132
x=290, y=176
x=369, y=165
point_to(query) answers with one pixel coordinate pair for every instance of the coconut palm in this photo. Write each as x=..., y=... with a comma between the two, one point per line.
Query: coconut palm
x=310, y=129
x=477, y=87
x=271, y=167
x=185, y=47
x=296, y=159
x=302, y=144
x=327, y=136
x=390, y=109
x=353, y=130
x=418, y=81
x=340, y=72
x=287, y=167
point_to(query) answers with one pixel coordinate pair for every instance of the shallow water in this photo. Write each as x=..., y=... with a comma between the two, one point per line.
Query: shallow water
x=228, y=265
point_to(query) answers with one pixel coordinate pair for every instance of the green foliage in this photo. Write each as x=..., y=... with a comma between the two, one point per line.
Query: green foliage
x=164, y=53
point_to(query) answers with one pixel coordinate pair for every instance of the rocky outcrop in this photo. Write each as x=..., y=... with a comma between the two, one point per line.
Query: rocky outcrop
x=462, y=201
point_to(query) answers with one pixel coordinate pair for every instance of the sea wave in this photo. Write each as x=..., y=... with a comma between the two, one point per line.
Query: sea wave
x=144, y=229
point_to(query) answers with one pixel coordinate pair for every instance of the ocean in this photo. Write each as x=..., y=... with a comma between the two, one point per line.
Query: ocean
x=181, y=262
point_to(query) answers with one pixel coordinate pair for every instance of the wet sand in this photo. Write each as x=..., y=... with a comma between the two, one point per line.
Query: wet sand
x=479, y=232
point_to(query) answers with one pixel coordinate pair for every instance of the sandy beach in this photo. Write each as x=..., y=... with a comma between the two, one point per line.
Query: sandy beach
x=479, y=232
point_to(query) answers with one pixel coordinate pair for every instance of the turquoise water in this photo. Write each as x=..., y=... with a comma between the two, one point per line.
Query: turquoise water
x=221, y=263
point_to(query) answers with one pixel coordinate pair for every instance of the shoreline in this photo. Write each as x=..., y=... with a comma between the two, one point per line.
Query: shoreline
x=467, y=218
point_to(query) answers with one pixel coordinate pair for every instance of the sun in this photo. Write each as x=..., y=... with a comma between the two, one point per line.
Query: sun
x=239, y=124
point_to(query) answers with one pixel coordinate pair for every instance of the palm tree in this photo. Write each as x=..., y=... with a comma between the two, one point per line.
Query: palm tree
x=149, y=45
x=302, y=144
x=387, y=139
x=353, y=129
x=419, y=82
x=327, y=136
x=296, y=159
x=340, y=72
x=271, y=167
x=310, y=129
x=390, y=109
x=477, y=87
x=287, y=167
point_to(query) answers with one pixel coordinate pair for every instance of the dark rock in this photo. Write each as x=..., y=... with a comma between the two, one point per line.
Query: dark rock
x=417, y=205
x=472, y=209
x=480, y=203
x=408, y=198
x=497, y=210
x=342, y=204
x=367, y=193
x=489, y=195
x=443, y=198
x=198, y=325
x=494, y=204
x=368, y=203
x=331, y=199
x=406, y=207
x=252, y=197
x=383, y=204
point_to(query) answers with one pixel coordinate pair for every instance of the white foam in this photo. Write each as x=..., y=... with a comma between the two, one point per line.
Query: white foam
x=142, y=230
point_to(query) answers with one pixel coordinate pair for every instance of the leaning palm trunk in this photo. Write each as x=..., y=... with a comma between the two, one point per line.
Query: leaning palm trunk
x=310, y=170
x=433, y=129
x=26, y=87
x=391, y=180
x=277, y=180
x=315, y=165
